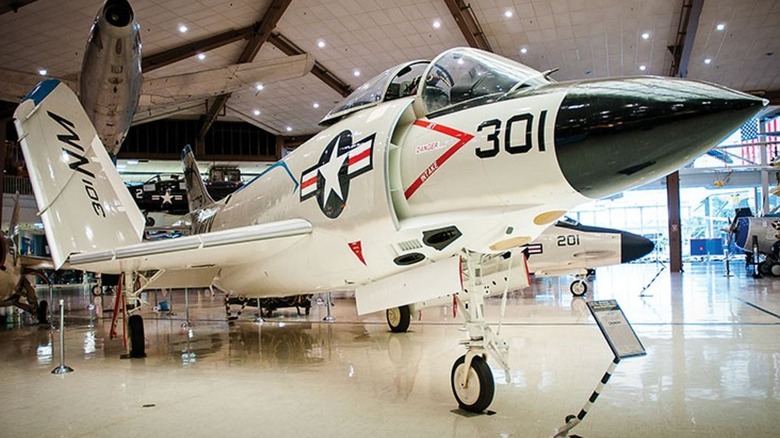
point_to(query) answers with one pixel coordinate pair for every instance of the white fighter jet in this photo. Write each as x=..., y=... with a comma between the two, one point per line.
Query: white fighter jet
x=424, y=177
x=114, y=92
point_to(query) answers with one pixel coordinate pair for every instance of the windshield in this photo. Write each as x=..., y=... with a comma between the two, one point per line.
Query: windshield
x=392, y=83
x=463, y=74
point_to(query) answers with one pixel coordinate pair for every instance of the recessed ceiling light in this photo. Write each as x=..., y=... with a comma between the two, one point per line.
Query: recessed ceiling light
x=436, y=24
x=256, y=112
x=642, y=67
x=259, y=87
x=524, y=50
x=321, y=44
x=183, y=28
x=356, y=73
x=646, y=36
x=201, y=56
x=288, y=128
x=43, y=72
x=720, y=26
x=707, y=60
x=508, y=14
x=315, y=105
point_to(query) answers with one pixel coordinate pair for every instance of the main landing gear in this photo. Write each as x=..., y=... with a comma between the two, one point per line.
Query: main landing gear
x=398, y=318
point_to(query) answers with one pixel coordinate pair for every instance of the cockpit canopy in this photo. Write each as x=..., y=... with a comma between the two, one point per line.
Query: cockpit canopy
x=456, y=76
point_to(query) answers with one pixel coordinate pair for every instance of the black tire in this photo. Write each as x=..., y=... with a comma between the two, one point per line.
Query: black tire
x=578, y=288
x=97, y=290
x=398, y=318
x=478, y=396
x=42, y=312
x=137, y=342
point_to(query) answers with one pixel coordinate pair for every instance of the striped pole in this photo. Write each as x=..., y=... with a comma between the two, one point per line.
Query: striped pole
x=571, y=420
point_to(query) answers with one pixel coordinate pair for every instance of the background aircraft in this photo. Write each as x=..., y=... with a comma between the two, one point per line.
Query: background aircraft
x=15, y=286
x=565, y=248
x=425, y=176
x=113, y=90
x=758, y=236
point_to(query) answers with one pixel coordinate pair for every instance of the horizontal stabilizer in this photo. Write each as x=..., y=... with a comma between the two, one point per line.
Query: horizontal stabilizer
x=209, y=83
x=81, y=199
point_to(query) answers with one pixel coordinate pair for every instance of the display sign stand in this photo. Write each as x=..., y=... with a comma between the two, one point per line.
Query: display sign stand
x=622, y=341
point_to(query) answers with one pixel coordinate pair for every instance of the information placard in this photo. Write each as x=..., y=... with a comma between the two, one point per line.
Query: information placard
x=616, y=329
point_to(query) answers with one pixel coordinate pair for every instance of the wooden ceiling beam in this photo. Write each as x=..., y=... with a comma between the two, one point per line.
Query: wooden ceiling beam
x=468, y=24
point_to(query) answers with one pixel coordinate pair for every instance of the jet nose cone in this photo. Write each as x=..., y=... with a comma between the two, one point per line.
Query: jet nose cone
x=614, y=134
x=633, y=247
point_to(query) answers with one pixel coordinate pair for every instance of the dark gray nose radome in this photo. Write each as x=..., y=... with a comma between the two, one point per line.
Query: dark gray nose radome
x=118, y=13
x=634, y=247
x=611, y=135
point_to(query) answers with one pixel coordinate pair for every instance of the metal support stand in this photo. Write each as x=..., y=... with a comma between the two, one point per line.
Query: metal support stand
x=728, y=267
x=756, y=270
x=330, y=317
x=62, y=369
x=186, y=324
x=51, y=304
x=571, y=420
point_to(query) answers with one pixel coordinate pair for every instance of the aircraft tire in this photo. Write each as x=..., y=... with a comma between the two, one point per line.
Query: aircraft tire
x=97, y=290
x=479, y=394
x=775, y=269
x=137, y=341
x=578, y=288
x=42, y=312
x=398, y=318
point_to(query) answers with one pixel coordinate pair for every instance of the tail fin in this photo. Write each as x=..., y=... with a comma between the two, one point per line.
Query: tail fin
x=81, y=199
x=197, y=195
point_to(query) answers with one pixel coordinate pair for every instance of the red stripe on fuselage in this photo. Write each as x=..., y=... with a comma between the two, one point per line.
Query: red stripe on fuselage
x=463, y=138
x=309, y=181
x=360, y=156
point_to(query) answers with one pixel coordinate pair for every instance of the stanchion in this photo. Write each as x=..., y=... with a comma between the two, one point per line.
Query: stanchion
x=62, y=369
x=330, y=317
x=187, y=324
x=728, y=267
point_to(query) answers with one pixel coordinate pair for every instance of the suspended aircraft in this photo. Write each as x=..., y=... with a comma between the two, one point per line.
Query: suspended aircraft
x=114, y=92
x=420, y=182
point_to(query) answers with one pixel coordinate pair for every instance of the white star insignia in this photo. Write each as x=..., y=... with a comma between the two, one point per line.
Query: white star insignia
x=167, y=198
x=330, y=173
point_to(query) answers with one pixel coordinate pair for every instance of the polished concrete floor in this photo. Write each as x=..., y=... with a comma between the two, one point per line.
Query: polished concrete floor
x=712, y=367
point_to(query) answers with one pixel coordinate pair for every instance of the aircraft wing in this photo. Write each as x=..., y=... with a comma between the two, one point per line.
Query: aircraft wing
x=14, y=84
x=199, y=251
x=209, y=83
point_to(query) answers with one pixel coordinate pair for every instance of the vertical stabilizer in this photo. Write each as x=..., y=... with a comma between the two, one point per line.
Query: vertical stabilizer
x=81, y=199
x=197, y=195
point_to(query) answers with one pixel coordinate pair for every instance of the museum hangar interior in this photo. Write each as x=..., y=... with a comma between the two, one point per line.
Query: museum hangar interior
x=255, y=88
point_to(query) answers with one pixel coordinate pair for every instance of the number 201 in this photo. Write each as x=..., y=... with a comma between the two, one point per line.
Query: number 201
x=494, y=136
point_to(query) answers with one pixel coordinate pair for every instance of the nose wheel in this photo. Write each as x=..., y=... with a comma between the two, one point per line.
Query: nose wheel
x=578, y=287
x=472, y=383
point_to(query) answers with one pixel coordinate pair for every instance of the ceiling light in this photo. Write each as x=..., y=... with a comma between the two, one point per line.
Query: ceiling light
x=707, y=60
x=183, y=28
x=131, y=162
x=508, y=14
x=315, y=105
x=356, y=73
x=43, y=72
x=288, y=128
x=720, y=26
x=436, y=24
x=201, y=56
x=121, y=167
x=259, y=87
x=642, y=67
x=256, y=112
x=321, y=44
x=524, y=50
x=646, y=36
